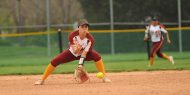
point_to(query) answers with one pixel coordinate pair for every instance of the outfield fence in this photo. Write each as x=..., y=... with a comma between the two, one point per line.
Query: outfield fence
x=19, y=17
x=128, y=40
x=92, y=31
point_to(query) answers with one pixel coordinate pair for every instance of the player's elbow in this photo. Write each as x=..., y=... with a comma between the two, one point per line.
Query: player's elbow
x=76, y=51
x=74, y=48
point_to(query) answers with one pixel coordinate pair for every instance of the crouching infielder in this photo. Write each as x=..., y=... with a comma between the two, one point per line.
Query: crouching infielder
x=80, y=48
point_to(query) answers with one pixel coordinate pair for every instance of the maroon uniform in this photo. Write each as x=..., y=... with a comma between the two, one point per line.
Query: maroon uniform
x=156, y=38
x=80, y=48
x=68, y=55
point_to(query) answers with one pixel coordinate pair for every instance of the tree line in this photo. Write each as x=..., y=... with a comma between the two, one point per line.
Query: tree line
x=33, y=12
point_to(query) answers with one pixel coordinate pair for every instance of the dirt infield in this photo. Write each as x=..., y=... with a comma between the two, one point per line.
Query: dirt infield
x=125, y=83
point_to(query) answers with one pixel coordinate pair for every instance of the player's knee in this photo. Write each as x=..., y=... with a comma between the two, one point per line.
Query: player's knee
x=151, y=55
x=97, y=57
x=54, y=63
x=159, y=55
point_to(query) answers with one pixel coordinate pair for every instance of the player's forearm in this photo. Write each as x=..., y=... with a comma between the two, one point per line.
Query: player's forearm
x=146, y=37
x=88, y=47
x=168, y=38
x=82, y=58
x=167, y=35
x=85, y=51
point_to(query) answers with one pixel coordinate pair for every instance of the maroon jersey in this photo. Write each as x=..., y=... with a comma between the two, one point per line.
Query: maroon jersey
x=76, y=33
x=86, y=43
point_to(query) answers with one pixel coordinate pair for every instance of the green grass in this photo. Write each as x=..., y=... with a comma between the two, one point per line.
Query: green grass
x=33, y=60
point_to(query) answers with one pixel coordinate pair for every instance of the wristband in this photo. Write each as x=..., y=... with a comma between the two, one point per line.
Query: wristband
x=81, y=61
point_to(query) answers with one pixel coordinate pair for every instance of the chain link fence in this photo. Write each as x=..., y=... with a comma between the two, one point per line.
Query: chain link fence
x=24, y=16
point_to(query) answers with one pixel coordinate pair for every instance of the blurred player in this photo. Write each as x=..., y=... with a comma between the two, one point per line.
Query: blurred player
x=154, y=33
x=80, y=48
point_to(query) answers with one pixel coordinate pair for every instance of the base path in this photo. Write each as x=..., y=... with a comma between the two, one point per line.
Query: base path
x=124, y=83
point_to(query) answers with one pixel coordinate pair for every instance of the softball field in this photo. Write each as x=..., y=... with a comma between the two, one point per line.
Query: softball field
x=124, y=83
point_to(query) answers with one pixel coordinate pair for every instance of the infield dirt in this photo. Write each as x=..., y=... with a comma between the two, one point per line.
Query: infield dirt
x=124, y=83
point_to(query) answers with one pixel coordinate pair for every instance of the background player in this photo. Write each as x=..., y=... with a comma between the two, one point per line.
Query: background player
x=154, y=32
x=80, y=48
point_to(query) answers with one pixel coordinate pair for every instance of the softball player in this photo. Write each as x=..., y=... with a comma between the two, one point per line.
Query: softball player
x=80, y=48
x=154, y=32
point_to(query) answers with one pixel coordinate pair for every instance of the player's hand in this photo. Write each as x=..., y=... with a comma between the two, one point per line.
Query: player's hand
x=169, y=42
x=79, y=46
x=76, y=48
x=145, y=39
x=80, y=66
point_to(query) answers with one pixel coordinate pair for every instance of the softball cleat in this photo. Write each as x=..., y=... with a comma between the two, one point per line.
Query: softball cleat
x=39, y=82
x=106, y=80
x=172, y=59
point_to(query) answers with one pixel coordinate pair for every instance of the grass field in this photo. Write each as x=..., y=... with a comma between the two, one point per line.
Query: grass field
x=33, y=60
